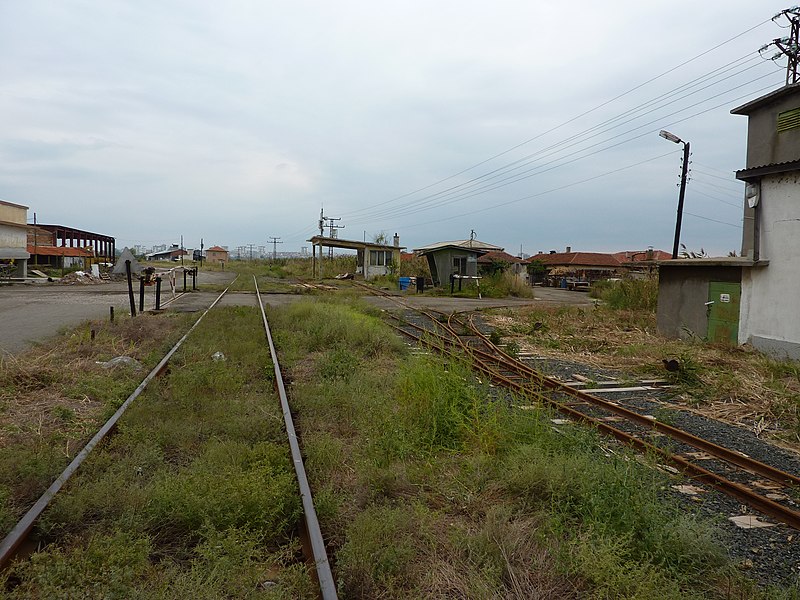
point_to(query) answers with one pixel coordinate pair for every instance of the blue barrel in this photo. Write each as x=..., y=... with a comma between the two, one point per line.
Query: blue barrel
x=404, y=282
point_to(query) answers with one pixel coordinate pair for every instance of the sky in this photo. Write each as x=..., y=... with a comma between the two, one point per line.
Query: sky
x=532, y=123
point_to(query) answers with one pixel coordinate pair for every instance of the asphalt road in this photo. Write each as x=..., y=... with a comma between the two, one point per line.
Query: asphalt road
x=34, y=312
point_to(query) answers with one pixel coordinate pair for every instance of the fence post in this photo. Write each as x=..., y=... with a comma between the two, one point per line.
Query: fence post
x=130, y=287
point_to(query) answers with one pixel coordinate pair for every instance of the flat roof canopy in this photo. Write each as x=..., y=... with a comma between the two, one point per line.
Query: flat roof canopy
x=350, y=244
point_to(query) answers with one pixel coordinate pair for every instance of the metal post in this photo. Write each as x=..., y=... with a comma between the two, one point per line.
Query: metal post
x=194, y=279
x=184, y=280
x=141, y=294
x=684, y=172
x=158, y=293
x=111, y=314
x=130, y=287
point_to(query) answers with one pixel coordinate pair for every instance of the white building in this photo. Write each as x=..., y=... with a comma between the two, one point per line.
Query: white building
x=13, y=240
x=768, y=316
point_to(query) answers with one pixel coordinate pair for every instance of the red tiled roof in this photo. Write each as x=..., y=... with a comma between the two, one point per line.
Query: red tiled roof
x=498, y=256
x=577, y=259
x=406, y=256
x=216, y=249
x=59, y=251
x=641, y=255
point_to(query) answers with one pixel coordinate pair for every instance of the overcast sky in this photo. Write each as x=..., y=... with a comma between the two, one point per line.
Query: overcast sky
x=236, y=121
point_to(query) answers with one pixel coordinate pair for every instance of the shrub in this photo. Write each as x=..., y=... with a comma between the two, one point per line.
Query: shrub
x=630, y=294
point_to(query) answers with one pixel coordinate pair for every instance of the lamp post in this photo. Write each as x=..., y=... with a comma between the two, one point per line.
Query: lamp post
x=684, y=170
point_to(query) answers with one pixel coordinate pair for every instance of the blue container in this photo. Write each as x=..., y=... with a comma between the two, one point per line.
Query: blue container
x=404, y=282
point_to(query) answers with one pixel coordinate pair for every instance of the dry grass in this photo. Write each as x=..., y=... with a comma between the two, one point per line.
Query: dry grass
x=59, y=387
x=734, y=384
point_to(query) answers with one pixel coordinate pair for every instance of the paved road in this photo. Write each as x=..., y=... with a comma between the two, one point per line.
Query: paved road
x=31, y=313
x=34, y=312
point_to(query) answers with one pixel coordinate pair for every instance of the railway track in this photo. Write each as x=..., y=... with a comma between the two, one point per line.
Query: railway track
x=12, y=545
x=723, y=469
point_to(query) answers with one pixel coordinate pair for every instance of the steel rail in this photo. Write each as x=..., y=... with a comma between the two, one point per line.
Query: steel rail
x=19, y=533
x=764, y=505
x=323, y=568
x=721, y=452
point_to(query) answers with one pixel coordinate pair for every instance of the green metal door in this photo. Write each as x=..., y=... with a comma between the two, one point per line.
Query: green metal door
x=723, y=312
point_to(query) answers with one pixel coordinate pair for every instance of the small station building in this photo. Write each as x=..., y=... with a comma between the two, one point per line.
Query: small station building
x=458, y=257
x=372, y=259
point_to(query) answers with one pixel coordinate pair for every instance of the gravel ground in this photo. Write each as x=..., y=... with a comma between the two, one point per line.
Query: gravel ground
x=770, y=555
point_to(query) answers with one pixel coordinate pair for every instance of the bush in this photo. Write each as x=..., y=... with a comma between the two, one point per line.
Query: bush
x=628, y=294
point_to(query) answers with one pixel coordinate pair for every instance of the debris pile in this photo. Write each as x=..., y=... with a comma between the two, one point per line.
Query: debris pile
x=80, y=277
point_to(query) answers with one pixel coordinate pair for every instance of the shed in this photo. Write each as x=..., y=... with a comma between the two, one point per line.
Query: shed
x=372, y=258
x=458, y=257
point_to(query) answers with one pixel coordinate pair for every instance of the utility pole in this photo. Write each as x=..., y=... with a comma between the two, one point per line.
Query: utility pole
x=788, y=46
x=275, y=241
x=251, y=250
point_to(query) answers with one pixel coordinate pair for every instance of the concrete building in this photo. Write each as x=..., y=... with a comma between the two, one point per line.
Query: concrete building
x=13, y=240
x=216, y=255
x=102, y=247
x=768, y=316
x=752, y=299
x=372, y=259
x=454, y=258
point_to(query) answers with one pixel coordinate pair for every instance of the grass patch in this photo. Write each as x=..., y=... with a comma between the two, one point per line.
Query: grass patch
x=435, y=487
x=210, y=501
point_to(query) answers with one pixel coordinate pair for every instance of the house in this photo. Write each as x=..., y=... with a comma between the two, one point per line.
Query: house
x=373, y=259
x=454, y=258
x=559, y=267
x=171, y=253
x=216, y=255
x=753, y=298
x=13, y=248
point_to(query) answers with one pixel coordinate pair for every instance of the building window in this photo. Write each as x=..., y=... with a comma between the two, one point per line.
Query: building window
x=380, y=258
x=460, y=265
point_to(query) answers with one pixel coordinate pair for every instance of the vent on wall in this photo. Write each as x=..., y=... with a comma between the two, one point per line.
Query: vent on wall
x=789, y=119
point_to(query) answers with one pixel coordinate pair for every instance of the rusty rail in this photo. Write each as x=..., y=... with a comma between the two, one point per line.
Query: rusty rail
x=20, y=532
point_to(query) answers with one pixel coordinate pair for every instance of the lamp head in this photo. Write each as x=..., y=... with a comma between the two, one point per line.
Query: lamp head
x=670, y=136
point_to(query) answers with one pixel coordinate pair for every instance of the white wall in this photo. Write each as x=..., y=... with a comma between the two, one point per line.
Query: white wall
x=771, y=295
x=13, y=237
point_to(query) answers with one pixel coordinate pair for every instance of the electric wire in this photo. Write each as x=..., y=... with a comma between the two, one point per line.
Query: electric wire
x=575, y=118
x=440, y=203
x=712, y=220
x=539, y=194
x=431, y=199
x=523, y=161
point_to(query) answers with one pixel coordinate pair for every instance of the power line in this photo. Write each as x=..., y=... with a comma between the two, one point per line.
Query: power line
x=713, y=220
x=567, y=122
x=539, y=169
x=550, y=191
x=576, y=138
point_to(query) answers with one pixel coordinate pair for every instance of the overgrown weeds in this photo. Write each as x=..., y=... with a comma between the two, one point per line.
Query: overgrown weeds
x=435, y=486
x=195, y=493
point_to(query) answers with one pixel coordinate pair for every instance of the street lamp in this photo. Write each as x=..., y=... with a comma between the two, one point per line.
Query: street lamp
x=684, y=169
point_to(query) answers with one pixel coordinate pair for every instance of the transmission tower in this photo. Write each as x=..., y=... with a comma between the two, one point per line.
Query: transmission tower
x=787, y=46
x=275, y=241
